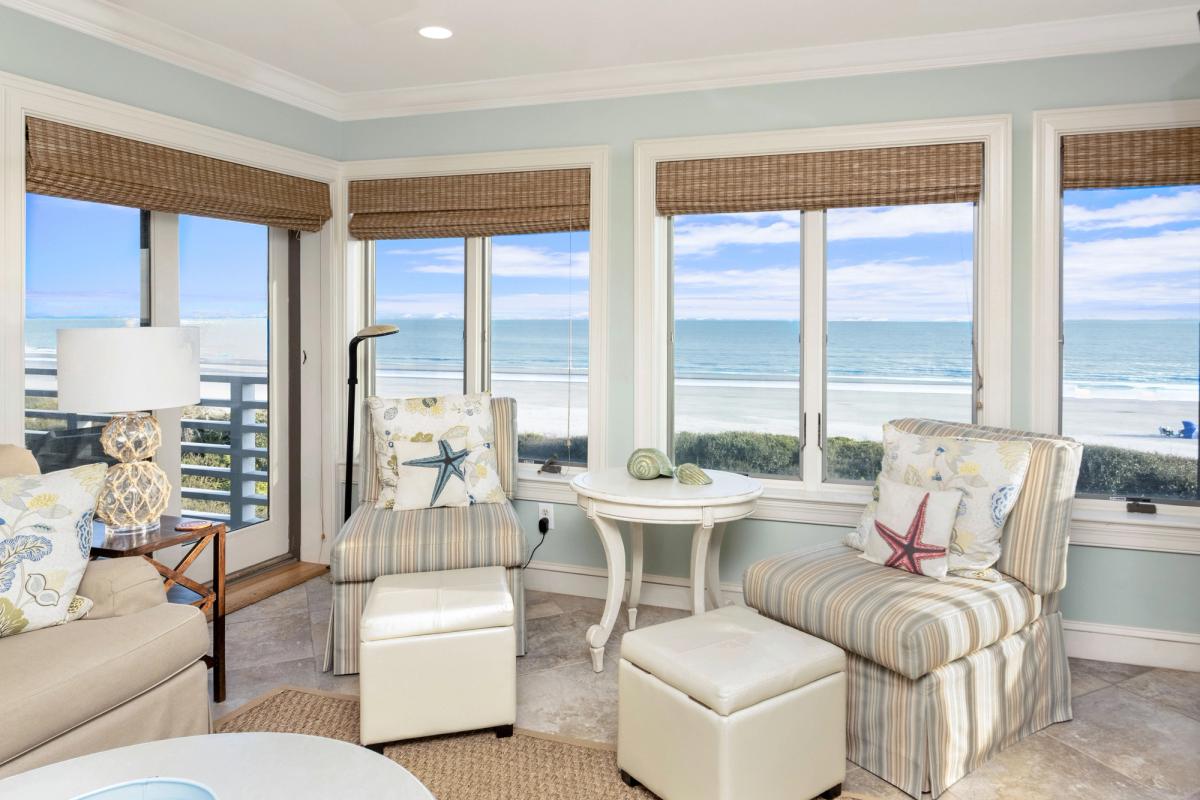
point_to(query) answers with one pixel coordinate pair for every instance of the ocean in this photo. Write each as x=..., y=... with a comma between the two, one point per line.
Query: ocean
x=1102, y=358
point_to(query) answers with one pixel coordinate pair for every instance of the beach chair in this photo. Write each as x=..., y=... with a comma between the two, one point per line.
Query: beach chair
x=1189, y=430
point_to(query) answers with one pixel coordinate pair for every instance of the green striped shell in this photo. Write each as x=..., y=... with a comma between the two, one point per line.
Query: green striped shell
x=691, y=475
x=647, y=463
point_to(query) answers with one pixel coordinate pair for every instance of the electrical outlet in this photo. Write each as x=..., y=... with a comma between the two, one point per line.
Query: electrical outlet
x=546, y=512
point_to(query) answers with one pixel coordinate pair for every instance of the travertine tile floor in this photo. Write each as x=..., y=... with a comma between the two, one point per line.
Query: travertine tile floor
x=1135, y=736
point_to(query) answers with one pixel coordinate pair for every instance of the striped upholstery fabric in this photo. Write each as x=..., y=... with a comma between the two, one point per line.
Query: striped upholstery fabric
x=341, y=639
x=379, y=541
x=1034, y=547
x=930, y=732
x=504, y=420
x=908, y=623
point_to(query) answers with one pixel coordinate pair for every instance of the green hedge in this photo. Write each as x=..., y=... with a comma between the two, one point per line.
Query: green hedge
x=1105, y=470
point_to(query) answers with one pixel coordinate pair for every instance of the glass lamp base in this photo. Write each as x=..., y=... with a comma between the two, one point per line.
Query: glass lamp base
x=130, y=530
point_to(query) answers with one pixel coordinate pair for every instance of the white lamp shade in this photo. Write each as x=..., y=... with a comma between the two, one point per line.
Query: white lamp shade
x=112, y=370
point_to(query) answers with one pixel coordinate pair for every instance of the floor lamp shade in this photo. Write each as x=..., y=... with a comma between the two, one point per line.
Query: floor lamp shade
x=128, y=371
x=112, y=370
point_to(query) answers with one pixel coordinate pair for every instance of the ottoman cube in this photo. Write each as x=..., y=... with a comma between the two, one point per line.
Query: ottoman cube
x=729, y=705
x=437, y=654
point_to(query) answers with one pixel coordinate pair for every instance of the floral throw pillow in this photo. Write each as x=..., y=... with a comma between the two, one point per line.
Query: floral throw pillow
x=912, y=528
x=465, y=420
x=45, y=539
x=988, y=473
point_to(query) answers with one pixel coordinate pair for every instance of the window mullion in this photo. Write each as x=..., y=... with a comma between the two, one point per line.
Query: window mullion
x=164, y=310
x=475, y=317
x=812, y=354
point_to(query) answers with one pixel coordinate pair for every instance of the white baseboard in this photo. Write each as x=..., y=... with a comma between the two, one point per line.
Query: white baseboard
x=1144, y=646
x=1148, y=647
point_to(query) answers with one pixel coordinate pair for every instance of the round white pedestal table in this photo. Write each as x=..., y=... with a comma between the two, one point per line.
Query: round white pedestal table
x=611, y=496
x=234, y=766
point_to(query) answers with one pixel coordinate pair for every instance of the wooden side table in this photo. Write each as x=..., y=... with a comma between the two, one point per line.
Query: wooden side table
x=211, y=600
x=611, y=496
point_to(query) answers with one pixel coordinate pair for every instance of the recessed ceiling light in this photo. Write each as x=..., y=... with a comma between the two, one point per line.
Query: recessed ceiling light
x=436, y=32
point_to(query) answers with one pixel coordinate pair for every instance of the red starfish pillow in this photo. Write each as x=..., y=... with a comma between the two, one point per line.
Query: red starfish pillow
x=912, y=528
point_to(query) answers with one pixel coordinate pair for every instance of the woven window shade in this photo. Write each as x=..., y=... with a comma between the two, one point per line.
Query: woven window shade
x=486, y=204
x=1160, y=157
x=940, y=173
x=65, y=161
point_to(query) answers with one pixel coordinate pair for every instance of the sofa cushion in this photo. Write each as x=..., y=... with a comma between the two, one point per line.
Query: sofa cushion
x=377, y=541
x=910, y=624
x=58, y=678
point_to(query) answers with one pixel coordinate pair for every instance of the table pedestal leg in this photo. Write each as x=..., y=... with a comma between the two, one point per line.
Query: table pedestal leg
x=635, y=579
x=713, y=574
x=700, y=538
x=614, y=554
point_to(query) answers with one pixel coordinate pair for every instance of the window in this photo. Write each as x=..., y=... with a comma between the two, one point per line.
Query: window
x=420, y=287
x=537, y=349
x=899, y=307
x=796, y=290
x=95, y=276
x=736, y=341
x=1130, y=369
x=223, y=297
x=899, y=311
x=539, y=340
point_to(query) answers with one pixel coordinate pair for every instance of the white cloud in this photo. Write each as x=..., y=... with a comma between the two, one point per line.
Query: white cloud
x=899, y=222
x=442, y=253
x=766, y=278
x=520, y=261
x=1144, y=212
x=433, y=304
x=438, y=269
x=696, y=237
x=1134, y=277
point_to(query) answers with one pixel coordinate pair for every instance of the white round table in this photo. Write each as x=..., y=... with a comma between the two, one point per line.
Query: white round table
x=235, y=766
x=611, y=496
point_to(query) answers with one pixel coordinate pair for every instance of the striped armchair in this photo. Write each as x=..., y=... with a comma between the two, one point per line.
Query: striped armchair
x=942, y=675
x=376, y=542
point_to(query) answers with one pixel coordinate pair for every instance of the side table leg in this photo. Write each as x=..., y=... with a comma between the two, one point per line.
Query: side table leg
x=219, y=616
x=635, y=578
x=713, y=574
x=700, y=537
x=614, y=554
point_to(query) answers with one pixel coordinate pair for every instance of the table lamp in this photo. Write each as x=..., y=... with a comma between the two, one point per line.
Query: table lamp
x=114, y=370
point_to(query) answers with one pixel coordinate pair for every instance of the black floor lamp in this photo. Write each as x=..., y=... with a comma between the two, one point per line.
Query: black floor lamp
x=369, y=332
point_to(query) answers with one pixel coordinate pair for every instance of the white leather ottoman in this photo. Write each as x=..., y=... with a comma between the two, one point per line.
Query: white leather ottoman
x=729, y=705
x=438, y=654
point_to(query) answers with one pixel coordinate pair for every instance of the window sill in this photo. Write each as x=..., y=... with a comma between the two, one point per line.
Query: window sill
x=1103, y=523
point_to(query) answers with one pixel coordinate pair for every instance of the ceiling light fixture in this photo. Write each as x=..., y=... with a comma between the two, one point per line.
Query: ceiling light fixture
x=436, y=32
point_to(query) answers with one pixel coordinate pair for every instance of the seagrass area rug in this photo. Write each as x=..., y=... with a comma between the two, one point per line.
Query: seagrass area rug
x=470, y=766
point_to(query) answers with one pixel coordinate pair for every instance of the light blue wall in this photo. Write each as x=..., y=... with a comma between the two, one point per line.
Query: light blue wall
x=37, y=49
x=1119, y=587
x=1156, y=590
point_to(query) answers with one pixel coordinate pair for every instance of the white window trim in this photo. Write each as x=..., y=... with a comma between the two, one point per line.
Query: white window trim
x=1099, y=523
x=811, y=500
x=530, y=484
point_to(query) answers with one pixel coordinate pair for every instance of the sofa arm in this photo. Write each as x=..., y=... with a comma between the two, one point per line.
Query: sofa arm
x=120, y=586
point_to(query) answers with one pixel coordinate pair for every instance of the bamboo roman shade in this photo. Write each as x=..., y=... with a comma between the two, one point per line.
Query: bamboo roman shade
x=1159, y=157
x=65, y=161
x=939, y=173
x=486, y=204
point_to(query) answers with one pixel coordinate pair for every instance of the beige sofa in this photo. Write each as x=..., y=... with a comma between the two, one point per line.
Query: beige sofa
x=130, y=671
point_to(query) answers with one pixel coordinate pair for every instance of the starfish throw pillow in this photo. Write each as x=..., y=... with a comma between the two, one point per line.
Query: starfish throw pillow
x=463, y=421
x=912, y=527
x=430, y=474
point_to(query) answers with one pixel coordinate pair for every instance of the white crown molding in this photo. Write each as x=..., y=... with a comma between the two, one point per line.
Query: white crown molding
x=142, y=34
x=1136, y=30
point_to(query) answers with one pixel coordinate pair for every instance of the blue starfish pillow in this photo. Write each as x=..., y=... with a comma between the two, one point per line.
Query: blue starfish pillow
x=912, y=528
x=430, y=474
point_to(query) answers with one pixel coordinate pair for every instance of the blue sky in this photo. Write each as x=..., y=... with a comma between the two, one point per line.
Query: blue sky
x=1127, y=254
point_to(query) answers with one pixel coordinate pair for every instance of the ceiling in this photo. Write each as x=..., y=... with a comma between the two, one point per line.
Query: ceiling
x=356, y=58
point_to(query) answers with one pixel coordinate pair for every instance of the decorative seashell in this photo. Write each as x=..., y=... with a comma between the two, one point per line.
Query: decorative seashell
x=691, y=475
x=646, y=463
